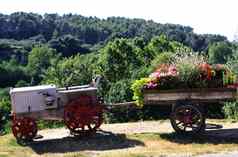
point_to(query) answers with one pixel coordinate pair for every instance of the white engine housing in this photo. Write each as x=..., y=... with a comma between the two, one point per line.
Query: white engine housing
x=33, y=99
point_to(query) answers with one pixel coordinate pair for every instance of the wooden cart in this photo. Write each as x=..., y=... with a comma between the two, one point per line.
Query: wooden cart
x=187, y=114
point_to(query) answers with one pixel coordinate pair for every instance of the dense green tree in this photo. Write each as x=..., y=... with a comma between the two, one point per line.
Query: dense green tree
x=119, y=92
x=118, y=59
x=11, y=72
x=68, y=45
x=220, y=52
x=39, y=59
x=158, y=45
x=77, y=70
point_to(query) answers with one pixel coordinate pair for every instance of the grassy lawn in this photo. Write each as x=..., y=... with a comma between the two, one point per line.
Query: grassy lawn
x=107, y=144
x=172, y=144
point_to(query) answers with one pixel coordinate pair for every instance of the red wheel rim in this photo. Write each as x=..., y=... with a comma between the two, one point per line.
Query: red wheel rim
x=24, y=128
x=188, y=118
x=83, y=118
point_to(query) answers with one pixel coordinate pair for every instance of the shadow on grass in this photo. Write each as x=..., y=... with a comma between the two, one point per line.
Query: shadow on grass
x=219, y=136
x=100, y=141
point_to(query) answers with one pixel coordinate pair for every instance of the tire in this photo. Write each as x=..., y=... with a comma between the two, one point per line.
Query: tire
x=24, y=128
x=187, y=118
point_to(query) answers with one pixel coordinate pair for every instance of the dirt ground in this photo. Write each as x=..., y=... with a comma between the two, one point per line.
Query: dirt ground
x=215, y=128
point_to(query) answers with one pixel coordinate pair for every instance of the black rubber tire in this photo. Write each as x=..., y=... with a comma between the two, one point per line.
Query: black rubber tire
x=188, y=106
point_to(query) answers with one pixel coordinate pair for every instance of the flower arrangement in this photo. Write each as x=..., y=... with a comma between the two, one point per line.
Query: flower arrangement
x=184, y=74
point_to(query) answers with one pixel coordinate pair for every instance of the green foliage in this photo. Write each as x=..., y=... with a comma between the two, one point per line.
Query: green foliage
x=11, y=72
x=163, y=58
x=5, y=105
x=5, y=109
x=118, y=59
x=71, y=71
x=39, y=59
x=68, y=45
x=137, y=87
x=158, y=45
x=230, y=110
x=188, y=68
x=22, y=83
x=42, y=124
x=92, y=30
x=119, y=92
x=220, y=52
x=232, y=63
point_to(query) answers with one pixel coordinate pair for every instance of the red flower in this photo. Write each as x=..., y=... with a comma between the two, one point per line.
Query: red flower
x=206, y=70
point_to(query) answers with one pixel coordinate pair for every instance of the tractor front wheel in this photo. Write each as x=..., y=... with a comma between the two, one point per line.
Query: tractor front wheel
x=24, y=128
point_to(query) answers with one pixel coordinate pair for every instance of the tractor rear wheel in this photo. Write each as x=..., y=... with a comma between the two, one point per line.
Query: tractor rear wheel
x=83, y=118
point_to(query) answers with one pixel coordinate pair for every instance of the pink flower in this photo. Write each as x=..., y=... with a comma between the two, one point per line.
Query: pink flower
x=155, y=75
x=172, y=70
x=151, y=85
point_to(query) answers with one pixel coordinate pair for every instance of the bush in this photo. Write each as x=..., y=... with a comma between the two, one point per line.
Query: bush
x=220, y=52
x=137, y=87
x=163, y=58
x=119, y=92
x=5, y=108
x=230, y=110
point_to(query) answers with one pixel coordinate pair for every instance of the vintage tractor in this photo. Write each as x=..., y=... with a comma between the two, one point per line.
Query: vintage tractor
x=78, y=106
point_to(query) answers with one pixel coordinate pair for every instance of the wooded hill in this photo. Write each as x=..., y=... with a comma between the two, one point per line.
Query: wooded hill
x=70, y=34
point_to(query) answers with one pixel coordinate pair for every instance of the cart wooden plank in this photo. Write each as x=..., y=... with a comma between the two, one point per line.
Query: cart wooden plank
x=205, y=95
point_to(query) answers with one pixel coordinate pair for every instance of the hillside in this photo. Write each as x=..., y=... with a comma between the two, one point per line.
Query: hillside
x=70, y=34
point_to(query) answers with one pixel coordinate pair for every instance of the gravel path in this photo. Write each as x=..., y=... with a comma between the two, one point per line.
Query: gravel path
x=120, y=128
x=162, y=126
x=150, y=127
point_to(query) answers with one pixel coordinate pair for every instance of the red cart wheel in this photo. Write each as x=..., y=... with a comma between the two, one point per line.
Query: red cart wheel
x=81, y=117
x=24, y=128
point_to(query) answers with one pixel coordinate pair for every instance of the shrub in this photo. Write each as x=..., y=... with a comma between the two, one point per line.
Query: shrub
x=163, y=58
x=230, y=110
x=137, y=88
x=119, y=92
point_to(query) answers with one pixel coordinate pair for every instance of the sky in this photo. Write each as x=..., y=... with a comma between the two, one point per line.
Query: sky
x=205, y=16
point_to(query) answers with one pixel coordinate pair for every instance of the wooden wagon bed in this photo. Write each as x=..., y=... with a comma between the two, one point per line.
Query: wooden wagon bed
x=203, y=95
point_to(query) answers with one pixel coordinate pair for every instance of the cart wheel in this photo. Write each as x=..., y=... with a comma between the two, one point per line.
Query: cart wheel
x=187, y=118
x=24, y=128
x=83, y=118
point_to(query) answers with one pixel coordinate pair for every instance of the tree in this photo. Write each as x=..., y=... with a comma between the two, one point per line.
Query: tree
x=118, y=59
x=76, y=70
x=158, y=45
x=39, y=59
x=11, y=72
x=68, y=45
x=220, y=52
